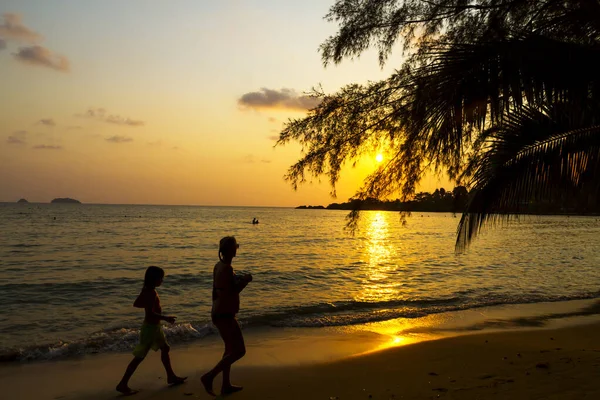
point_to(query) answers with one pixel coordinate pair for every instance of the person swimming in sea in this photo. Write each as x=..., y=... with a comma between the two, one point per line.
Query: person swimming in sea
x=226, y=304
x=151, y=333
x=254, y=221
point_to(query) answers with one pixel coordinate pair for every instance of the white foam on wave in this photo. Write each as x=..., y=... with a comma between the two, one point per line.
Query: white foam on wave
x=110, y=341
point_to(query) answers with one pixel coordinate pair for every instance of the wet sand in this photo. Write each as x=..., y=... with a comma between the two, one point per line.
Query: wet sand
x=532, y=363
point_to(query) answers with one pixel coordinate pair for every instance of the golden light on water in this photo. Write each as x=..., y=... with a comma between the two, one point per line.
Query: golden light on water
x=377, y=257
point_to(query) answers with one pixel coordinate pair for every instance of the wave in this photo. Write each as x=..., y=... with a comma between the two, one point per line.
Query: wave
x=109, y=341
x=357, y=312
x=123, y=339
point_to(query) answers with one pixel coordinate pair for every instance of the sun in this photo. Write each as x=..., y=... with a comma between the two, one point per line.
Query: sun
x=379, y=158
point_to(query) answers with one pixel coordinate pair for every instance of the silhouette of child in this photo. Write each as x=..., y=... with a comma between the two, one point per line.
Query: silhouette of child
x=151, y=333
x=226, y=304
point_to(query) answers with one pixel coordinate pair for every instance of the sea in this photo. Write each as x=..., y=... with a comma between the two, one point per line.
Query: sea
x=69, y=273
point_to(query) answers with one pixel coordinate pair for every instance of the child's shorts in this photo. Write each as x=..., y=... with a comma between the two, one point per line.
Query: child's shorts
x=151, y=337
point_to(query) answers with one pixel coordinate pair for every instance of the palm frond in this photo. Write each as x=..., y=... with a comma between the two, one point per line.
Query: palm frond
x=539, y=155
x=469, y=87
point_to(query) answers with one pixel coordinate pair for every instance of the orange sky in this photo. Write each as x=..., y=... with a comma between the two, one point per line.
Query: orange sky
x=153, y=102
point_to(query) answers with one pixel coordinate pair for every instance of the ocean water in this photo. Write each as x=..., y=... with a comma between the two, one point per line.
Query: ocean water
x=69, y=273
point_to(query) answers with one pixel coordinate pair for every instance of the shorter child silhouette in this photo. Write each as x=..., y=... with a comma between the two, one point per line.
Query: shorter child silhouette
x=151, y=333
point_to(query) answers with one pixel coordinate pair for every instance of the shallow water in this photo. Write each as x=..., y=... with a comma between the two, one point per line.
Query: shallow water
x=71, y=272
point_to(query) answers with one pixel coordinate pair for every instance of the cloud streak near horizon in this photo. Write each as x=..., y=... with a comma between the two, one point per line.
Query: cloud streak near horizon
x=119, y=139
x=47, y=122
x=278, y=99
x=251, y=159
x=47, y=147
x=100, y=114
x=17, y=137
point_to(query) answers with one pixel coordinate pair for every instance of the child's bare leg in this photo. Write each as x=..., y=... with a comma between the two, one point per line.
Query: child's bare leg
x=123, y=386
x=166, y=360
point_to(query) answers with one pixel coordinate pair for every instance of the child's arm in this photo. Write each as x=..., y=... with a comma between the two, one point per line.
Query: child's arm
x=147, y=300
x=156, y=316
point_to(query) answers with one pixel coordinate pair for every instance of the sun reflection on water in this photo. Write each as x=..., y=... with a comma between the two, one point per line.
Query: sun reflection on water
x=379, y=257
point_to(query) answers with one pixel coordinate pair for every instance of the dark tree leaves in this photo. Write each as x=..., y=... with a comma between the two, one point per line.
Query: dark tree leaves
x=501, y=95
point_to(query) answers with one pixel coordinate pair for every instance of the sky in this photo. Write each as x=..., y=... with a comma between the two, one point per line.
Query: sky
x=166, y=102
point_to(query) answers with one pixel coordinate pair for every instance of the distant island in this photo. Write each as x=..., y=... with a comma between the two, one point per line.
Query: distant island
x=65, y=200
x=22, y=201
x=455, y=201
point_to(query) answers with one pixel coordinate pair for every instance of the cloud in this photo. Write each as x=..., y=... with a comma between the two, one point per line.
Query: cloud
x=274, y=138
x=17, y=138
x=273, y=120
x=13, y=29
x=251, y=159
x=284, y=98
x=117, y=119
x=119, y=139
x=74, y=127
x=94, y=112
x=47, y=147
x=42, y=57
x=47, y=122
x=100, y=114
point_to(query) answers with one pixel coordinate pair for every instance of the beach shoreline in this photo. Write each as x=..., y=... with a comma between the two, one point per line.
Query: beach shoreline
x=450, y=356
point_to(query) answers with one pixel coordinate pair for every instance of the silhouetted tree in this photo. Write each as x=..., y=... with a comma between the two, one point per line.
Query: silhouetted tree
x=502, y=95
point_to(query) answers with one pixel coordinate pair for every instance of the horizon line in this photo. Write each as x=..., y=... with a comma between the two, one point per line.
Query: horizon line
x=142, y=204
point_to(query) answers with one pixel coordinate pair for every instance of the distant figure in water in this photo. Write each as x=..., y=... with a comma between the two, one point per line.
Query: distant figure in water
x=254, y=221
x=151, y=333
x=226, y=304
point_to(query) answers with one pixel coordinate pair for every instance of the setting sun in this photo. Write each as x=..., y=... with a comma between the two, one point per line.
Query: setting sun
x=379, y=158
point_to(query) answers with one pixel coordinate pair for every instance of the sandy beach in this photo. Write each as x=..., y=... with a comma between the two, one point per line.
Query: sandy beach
x=558, y=359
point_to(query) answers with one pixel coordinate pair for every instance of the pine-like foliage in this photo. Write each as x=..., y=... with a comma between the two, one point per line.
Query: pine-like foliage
x=502, y=95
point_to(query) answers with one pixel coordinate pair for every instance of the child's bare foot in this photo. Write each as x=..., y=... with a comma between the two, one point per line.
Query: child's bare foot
x=126, y=390
x=230, y=389
x=175, y=380
x=207, y=381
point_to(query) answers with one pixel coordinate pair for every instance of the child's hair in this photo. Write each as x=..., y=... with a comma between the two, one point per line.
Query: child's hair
x=227, y=245
x=153, y=275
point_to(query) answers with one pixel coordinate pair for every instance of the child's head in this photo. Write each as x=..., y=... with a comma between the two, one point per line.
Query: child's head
x=154, y=277
x=228, y=247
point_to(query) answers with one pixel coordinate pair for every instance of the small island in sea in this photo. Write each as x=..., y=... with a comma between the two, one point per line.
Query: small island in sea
x=22, y=201
x=65, y=200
